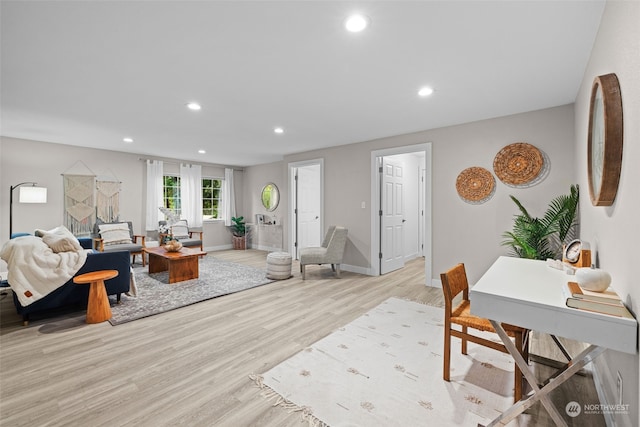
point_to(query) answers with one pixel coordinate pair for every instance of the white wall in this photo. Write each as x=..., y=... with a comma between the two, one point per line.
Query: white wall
x=255, y=178
x=613, y=231
x=347, y=185
x=42, y=162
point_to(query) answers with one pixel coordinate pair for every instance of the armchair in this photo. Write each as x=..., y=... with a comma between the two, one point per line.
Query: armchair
x=118, y=236
x=331, y=251
x=181, y=232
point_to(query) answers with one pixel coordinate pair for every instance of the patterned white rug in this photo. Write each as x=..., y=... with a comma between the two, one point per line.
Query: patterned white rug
x=385, y=369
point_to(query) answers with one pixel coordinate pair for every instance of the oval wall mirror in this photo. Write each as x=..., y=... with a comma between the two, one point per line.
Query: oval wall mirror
x=270, y=197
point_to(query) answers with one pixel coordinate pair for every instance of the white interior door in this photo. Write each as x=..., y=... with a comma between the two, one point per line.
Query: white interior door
x=392, y=216
x=309, y=221
x=421, y=204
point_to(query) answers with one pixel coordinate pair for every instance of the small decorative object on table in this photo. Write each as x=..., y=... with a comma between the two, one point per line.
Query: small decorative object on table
x=577, y=254
x=173, y=246
x=593, y=279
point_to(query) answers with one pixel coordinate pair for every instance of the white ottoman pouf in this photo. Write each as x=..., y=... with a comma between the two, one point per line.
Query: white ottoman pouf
x=278, y=265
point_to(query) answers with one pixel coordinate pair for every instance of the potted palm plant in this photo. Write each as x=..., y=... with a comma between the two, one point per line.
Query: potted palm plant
x=238, y=230
x=542, y=238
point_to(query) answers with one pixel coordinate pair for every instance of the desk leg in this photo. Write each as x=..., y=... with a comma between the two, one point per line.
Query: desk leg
x=563, y=350
x=574, y=366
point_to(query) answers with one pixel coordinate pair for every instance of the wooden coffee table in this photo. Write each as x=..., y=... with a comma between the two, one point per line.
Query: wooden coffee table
x=182, y=265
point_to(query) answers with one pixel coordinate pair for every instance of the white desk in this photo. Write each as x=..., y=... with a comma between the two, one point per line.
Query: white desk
x=529, y=294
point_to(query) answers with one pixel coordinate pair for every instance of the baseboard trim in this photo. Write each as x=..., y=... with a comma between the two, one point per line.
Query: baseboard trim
x=436, y=283
x=356, y=269
x=266, y=248
x=218, y=248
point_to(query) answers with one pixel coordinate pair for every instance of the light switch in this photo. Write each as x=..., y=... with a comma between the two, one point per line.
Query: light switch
x=364, y=205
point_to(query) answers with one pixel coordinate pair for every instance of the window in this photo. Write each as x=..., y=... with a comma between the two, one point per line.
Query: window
x=211, y=196
x=171, y=193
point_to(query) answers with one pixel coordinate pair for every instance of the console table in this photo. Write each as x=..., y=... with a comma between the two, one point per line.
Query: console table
x=265, y=237
x=528, y=293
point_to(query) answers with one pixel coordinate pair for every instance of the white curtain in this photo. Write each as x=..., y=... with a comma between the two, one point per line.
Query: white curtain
x=191, y=194
x=154, y=194
x=228, y=197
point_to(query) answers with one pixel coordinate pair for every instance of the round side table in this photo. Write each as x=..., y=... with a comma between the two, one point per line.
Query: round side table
x=98, y=308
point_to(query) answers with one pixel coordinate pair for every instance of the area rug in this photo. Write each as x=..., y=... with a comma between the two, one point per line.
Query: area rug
x=155, y=294
x=385, y=369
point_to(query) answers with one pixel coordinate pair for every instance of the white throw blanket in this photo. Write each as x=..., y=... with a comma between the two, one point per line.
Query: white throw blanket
x=35, y=269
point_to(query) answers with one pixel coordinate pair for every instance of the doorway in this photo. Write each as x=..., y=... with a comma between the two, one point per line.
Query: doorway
x=393, y=215
x=401, y=208
x=306, y=190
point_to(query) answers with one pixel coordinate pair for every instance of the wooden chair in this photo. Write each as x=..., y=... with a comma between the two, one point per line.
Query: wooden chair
x=455, y=282
x=180, y=231
x=103, y=242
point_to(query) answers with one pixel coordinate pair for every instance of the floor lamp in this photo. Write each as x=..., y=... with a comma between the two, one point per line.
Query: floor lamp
x=30, y=194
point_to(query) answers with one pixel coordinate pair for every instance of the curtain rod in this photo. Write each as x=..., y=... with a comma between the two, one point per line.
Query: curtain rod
x=174, y=162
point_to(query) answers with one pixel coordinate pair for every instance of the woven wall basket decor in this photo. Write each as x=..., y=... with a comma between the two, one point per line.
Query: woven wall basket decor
x=475, y=185
x=518, y=163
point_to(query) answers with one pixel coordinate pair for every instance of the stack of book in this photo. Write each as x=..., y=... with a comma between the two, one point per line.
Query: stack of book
x=607, y=302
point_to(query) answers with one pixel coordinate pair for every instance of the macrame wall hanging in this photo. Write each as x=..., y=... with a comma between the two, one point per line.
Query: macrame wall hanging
x=79, y=207
x=108, y=199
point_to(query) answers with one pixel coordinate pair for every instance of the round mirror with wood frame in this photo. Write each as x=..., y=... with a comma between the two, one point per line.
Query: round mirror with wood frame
x=604, y=149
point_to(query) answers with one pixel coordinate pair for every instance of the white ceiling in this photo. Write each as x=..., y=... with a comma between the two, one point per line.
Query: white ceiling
x=91, y=73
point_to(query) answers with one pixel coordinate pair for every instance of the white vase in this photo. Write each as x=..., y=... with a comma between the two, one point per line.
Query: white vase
x=593, y=279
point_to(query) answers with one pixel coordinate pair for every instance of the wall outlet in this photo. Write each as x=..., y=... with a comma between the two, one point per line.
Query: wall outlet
x=619, y=388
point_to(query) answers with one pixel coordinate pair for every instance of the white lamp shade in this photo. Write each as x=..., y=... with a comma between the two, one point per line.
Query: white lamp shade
x=33, y=195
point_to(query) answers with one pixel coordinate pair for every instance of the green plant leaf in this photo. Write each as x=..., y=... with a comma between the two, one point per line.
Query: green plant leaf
x=542, y=238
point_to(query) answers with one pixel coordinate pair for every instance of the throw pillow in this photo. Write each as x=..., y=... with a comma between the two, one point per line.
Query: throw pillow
x=115, y=234
x=180, y=230
x=60, y=239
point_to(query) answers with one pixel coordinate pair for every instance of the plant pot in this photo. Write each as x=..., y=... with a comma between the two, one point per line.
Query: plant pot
x=239, y=242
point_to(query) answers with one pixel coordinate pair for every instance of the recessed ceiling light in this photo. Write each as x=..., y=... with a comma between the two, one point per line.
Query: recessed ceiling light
x=202, y=152
x=356, y=23
x=194, y=106
x=278, y=130
x=425, y=91
x=128, y=140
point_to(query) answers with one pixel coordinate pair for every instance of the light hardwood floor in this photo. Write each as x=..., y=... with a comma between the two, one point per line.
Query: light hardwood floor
x=190, y=366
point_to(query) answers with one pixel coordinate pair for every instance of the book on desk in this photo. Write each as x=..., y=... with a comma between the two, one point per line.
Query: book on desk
x=607, y=302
